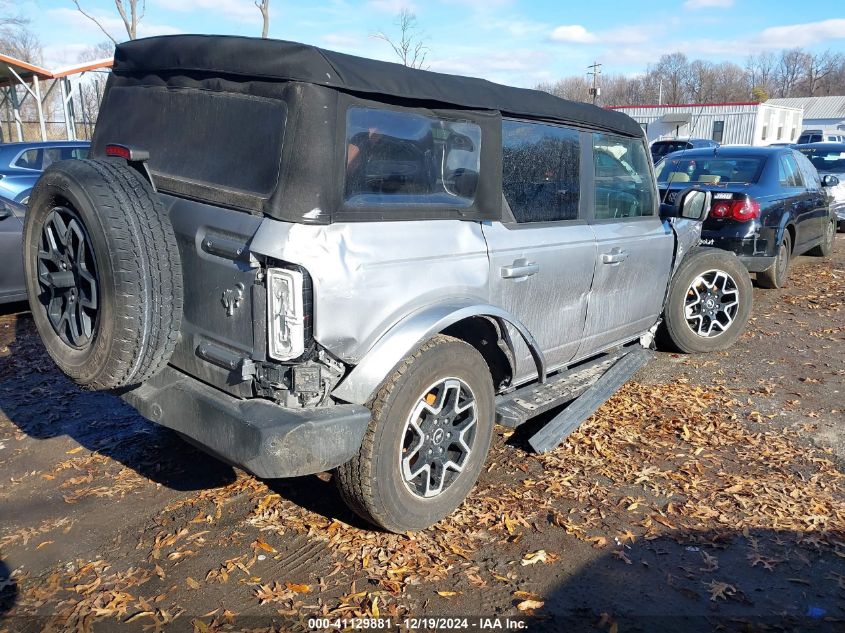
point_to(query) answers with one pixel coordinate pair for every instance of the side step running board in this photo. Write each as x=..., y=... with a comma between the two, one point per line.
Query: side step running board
x=517, y=407
x=559, y=427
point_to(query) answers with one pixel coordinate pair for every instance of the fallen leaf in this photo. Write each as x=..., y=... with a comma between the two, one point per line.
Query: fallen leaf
x=532, y=558
x=530, y=605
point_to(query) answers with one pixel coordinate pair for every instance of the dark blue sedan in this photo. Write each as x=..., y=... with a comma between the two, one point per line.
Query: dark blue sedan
x=21, y=164
x=769, y=204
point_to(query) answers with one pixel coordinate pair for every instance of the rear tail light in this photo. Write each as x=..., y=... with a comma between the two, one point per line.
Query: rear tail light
x=742, y=210
x=285, y=313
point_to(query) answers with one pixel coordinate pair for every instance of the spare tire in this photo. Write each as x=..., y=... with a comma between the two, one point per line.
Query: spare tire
x=103, y=273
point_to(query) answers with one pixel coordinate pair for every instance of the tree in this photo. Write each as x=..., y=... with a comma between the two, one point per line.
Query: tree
x=571, y=88
x=758, y=93
x=410, y=47
x=131, y=12
x=673, y=70
x=264, y=7
x=760, y=69
x=817, y=68
x=790, y=67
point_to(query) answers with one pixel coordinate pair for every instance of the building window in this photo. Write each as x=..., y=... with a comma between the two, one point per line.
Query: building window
x=718, y=130
x=765, y=133
x=780, y=132
x=541, y=171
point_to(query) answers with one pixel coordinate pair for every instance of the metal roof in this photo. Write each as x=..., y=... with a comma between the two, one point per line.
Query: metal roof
x=815, y=107
x=13, y=70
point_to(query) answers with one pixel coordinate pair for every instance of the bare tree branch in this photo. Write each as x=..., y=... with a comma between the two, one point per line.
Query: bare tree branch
x=264, y=7
x=129, y=13
x=95, y=21
x=410, y=48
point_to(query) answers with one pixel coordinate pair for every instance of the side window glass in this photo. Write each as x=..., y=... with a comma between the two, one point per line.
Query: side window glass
x=789, y=174
x=51, y=155
x=623, y=183
x=809, y=172
x=402, y=157
x=30, y=159
x=541, y=168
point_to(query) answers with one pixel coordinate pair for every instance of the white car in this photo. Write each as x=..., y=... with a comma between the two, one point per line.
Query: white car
x=819, y=136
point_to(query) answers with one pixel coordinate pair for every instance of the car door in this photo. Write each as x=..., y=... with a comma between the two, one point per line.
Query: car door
x=11, y=243
x=798, y=202
x=633, y=246
x=542, y=258
x=816, y=197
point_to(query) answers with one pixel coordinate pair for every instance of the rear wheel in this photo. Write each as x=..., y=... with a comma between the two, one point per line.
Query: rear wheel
x=708, y=304
x=826, y=247
x=428, y=438
x=776, y=275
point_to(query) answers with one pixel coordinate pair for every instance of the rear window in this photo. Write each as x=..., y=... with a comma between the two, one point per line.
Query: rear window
x=214, y=146
x=661, y=148
x=809, y=138
x=710, y=170
x=395, y=158
x=826, y=161
x=30, y=159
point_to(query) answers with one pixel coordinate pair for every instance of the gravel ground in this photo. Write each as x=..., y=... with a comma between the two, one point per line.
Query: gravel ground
x=707, y=494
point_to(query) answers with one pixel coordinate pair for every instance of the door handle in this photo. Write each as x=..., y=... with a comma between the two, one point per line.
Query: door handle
x=520, y=268
x=615, y=256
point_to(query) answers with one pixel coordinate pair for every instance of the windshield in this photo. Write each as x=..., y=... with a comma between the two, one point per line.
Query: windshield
x=826, y=160
x=716, y=170
x=661, y=148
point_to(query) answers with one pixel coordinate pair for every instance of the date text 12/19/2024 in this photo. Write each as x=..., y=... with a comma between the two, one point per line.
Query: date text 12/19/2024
x=426, y=623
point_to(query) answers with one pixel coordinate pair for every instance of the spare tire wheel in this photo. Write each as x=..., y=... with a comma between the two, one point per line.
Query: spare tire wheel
x=103, y=273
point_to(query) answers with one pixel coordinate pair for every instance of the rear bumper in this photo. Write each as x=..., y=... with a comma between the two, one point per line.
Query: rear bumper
x=756, y=264
x=268, y=440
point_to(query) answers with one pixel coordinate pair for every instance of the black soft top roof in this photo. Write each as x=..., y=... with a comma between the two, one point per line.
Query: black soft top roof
x=262, y=59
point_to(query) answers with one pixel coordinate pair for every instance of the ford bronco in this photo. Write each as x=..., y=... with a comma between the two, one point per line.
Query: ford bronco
x=302, y=260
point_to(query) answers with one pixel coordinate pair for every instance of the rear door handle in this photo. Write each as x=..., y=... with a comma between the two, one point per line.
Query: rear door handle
x=520, y=268
x=615, y=256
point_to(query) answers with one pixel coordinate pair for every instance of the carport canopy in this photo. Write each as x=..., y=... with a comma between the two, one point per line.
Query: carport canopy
x=16, y=73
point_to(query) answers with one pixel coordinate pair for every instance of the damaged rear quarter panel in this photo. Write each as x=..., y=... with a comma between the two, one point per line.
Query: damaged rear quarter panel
x=369, y=275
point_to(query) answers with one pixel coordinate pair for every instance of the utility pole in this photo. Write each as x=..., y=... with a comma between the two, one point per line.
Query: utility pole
x=595, y=71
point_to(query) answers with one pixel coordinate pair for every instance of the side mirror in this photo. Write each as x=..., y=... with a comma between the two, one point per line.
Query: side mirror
x=693, y=204
x=829, y=180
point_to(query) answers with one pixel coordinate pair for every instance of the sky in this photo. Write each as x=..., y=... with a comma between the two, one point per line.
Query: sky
x=517, y=42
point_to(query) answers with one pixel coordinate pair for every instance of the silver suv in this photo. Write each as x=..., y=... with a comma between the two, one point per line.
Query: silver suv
x=303, y=261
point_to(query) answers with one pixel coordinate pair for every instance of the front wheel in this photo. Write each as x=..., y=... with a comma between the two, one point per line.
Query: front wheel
x=430, y=430
x=709, y=303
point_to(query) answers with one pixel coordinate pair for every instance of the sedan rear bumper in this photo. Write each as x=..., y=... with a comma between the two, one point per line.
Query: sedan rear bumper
x=757, y=264
x=268, y=440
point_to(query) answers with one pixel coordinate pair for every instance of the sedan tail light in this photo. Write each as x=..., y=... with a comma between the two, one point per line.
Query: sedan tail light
x=742, y=210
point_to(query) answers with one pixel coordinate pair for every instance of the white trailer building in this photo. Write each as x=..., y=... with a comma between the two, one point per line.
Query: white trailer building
x=820, y=113
x=744, y=123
